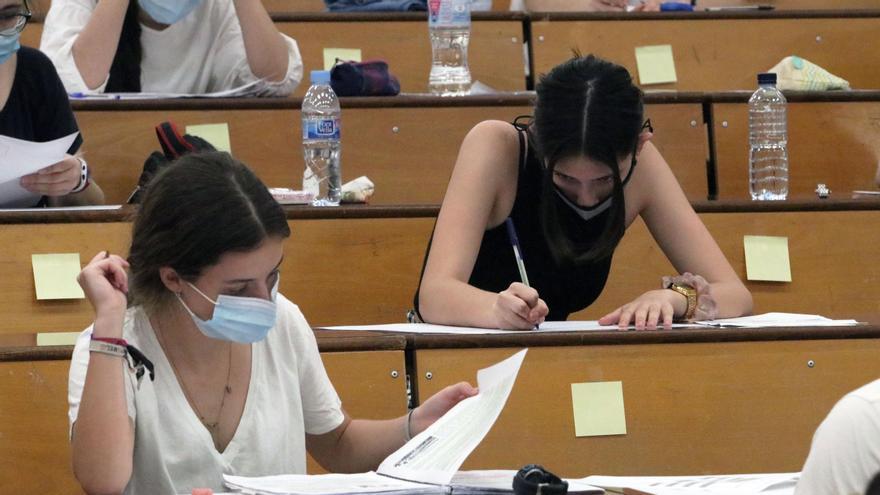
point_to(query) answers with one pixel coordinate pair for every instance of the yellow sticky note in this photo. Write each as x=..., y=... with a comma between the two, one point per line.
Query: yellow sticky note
x=767, y=258
x=346, y=54
x=598, y=409
x=57, y=338
x=656, y=64
x=216, y=134
x=55, y=276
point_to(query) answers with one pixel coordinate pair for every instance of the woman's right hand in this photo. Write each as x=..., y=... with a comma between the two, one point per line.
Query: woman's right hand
x=519, y=308
x=105, y=283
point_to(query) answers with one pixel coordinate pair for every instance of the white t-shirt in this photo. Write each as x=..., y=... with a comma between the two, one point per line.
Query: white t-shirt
x=289, y=395
x=202, y=53
x=845, y=455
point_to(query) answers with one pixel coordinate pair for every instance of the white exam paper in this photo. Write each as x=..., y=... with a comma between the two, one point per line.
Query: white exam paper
x=779, y=320
x=734, y=484
x=547, y=326
x=19, y=158
x=326, y=484
x=434, y=455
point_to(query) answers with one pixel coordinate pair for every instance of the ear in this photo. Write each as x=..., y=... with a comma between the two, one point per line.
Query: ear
x=644, y=137
x=171, y=279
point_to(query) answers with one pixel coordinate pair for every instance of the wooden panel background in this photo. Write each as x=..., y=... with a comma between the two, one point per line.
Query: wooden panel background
x=690, y=408
x=837, y=144
x=833, y=262
x=35, y=452
x=408, y=153
x=717, y=54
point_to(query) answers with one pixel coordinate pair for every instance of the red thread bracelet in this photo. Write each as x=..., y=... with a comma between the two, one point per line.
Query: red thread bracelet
x=111, y=340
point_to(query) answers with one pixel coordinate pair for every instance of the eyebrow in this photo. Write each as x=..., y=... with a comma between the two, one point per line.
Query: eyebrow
x=243, y=280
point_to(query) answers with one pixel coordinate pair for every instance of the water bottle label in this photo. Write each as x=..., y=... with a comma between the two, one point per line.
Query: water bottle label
x=449, y=13
x=321, y=129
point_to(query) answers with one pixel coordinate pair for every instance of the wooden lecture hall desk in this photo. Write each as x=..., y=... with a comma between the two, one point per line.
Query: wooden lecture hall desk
x=368, y=372
x=716, y=51
x=407, y=145
x=361, y=264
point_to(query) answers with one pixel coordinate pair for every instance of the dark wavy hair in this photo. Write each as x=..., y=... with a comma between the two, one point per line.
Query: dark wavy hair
x=125, y=72
x=202, y=206
x=586, y=107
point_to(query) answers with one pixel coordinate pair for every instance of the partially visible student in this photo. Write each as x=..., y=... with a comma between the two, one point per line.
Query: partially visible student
x=169, y=46
x=583, y=5
x=845, y=454
x=34, y=107
x=239, y=384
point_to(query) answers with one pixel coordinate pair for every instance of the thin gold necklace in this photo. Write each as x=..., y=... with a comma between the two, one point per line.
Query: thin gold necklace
x=212, y=426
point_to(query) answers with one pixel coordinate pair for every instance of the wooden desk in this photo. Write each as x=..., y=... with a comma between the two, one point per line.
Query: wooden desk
x=715, y=51
x=833, y=138
x=35, y=452
x=407, y=144
x=696, y=401
x=371, y=257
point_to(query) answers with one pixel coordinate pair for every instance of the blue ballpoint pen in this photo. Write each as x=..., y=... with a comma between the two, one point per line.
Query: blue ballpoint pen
x=517, y=252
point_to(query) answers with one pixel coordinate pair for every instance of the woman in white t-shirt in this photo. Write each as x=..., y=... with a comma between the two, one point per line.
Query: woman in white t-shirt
x=235, y=384
x=169, y=46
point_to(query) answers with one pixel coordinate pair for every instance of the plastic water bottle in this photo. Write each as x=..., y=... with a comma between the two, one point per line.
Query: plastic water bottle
x=321, y=146
x=768, y=141
x=449, y=26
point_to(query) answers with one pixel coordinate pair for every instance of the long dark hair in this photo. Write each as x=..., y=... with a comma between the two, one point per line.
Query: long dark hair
x=125, y=72
x=202, y=206
x=585, y=107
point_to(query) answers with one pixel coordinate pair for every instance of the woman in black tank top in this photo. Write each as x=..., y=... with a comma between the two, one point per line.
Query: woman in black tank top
x=569, y=183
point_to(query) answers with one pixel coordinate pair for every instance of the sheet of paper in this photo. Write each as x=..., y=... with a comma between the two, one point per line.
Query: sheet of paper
x=343, y=54
x=547, y=326
x=734, y=484
x=56, y=338
x=598, y=409
x=216, y=134
x=55, y=276
x=656, y=64
x=64, y=208
x=253, y=88
x=767, y=258
x=778, y=320
x=434, y=455
x=326, y=484
x=20, y=157
x=501, y=480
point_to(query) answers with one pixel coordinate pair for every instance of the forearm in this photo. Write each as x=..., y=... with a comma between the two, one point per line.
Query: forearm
x=95, y=46
x=264, y=46
x=732, y=298
x=92, y=195
x=365, y=443
x=452, y=302
x=103, y=438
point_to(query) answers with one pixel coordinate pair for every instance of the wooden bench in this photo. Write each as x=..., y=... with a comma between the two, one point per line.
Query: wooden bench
x=35, y=452
x=407, y=145
x=833, y=139
x=716, y=51
x=371, y=257
x=715, y=401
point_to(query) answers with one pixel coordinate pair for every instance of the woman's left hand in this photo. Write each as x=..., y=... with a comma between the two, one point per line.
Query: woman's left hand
x=649, y=309
x=439, y=404
x=55, y=180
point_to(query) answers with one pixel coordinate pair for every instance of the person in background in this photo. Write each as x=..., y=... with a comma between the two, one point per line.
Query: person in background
x=584, y=5
x=239, y=384
x=34, y=107
x=570, y=181
x=845, y=454
x=169, y=46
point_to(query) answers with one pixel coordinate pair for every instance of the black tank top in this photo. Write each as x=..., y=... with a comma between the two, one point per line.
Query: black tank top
x=566, y=288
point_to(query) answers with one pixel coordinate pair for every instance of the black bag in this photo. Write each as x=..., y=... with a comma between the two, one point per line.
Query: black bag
x=174, y=145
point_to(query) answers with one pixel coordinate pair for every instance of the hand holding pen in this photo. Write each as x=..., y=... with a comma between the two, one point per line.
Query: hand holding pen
x=519, y=306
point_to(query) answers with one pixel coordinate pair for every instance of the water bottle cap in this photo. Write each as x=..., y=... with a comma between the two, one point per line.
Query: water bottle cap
x=320, y=76
x=767, y=78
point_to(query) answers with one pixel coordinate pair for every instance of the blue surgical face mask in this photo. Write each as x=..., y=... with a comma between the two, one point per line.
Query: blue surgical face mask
x=168, y=11
x=237, y=319
x=8, y=46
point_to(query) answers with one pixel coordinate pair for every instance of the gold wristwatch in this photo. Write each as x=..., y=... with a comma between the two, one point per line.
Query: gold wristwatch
x=691, y=294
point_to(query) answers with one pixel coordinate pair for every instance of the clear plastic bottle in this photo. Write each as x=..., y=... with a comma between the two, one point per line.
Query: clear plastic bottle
x=449, y=27
x=768, y=141
x=321, y=141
